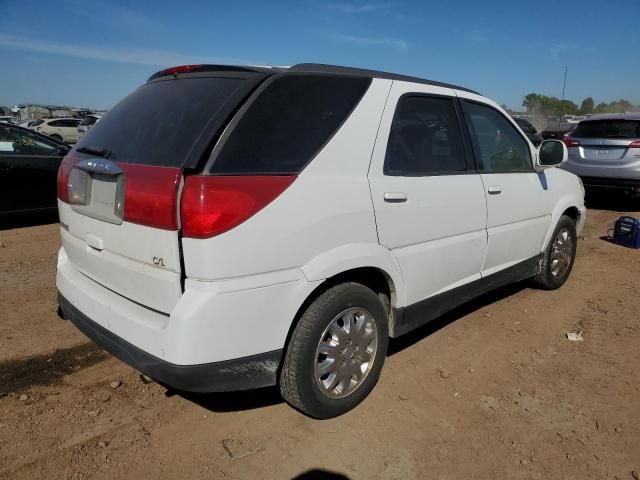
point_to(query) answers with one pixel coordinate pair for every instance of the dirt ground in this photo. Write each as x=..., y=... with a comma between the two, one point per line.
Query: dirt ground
x=493, y=390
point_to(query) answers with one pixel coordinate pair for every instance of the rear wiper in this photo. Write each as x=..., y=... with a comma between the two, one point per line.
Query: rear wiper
x=99, y=151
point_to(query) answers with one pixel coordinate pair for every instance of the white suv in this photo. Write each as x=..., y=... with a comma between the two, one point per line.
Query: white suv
x=62, y=129
x=228, y=228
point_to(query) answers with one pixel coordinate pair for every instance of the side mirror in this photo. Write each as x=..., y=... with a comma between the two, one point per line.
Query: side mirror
x=63, y=150
x=551, y=153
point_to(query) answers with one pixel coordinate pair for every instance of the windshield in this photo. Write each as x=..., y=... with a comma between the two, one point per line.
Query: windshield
x=159, y=122
x=608, y=129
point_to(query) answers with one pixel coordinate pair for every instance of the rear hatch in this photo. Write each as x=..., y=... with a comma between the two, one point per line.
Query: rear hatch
x=119, y=187
x=605, y=143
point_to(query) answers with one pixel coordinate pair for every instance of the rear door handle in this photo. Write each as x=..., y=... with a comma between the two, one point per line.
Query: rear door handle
x=395, y=197
x=494, y=190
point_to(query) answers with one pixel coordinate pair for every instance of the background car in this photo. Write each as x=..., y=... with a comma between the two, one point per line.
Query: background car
x=7, y=119
x=61, y=129
x=86, y=124
x=557, y=130
x=529, y=130
x=604, y=151
x=31, y=123
x=29, y=164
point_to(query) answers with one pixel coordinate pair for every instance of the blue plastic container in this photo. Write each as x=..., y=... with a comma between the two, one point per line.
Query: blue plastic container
x=627, y=232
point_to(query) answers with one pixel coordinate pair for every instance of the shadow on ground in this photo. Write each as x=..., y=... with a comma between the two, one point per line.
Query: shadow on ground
x=320, y=474
x=28, y=220
x=611, y=200
x=233, y=401
x=17, y=375
x=396, y=345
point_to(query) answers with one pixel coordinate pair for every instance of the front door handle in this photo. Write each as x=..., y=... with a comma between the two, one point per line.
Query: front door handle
x=395, y=197
x=494, y=190
x=5, y=166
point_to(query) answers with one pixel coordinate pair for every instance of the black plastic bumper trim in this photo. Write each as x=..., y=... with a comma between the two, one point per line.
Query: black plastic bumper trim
x=615, y=183
x=244, y=373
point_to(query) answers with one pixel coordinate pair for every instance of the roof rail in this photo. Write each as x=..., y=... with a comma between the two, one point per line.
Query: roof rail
x=336, y=69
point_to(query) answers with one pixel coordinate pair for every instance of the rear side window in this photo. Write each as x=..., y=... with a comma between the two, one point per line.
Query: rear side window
x=608, y=129
x=288, y=123
x=497, y=144
x=159, y=122
x=425, y=138
x=88, y=121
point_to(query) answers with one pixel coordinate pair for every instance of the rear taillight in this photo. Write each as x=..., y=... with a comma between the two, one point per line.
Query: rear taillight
x=79, y=187
x=635, y=144
x=570, y=142
x=64, y=171
x=151, y=195
x=212, y=205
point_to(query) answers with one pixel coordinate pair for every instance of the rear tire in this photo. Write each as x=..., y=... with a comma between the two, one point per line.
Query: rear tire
x=558, y=258
x=336, y=352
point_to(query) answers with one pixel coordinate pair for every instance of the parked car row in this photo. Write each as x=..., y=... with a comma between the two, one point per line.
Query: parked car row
x=68, y=130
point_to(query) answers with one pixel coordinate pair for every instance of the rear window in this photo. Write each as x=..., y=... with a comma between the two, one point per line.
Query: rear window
x=36, y=123
x=159, y=122
x=607, y=129
x=88, y=121
x=288, y=123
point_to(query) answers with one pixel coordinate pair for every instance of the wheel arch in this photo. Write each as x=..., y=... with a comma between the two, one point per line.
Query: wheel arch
x=368, y=264
x=569, y=206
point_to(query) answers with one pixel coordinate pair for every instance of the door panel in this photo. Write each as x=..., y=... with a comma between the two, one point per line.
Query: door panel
x=518, y=220
x=518, y=199
x=28, y=168
x=434, y=223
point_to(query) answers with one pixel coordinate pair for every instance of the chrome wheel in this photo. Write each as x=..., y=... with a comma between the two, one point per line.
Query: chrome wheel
x=346, y=352
x=561, y=253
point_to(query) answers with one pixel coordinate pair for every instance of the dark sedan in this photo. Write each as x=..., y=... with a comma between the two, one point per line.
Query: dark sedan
x=529, y=130
x=29, y=164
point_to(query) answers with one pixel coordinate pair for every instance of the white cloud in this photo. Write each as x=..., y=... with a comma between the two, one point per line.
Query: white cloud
x=139, y=56
x=114, y=16
x=559, y=49
x=397, y=44
x=356, y=8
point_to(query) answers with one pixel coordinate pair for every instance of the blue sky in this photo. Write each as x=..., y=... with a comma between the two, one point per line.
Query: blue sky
x=92, y=53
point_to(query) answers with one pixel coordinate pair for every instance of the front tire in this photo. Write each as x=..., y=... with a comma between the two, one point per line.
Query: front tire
x=560, y=255
x=336, y=352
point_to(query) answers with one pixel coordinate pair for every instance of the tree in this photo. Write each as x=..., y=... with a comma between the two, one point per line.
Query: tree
x=586, y=106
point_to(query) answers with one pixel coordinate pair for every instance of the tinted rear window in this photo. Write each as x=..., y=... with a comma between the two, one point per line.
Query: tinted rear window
x=288, y=123
x=88, y=121
x=608, y=129
x=159, y=123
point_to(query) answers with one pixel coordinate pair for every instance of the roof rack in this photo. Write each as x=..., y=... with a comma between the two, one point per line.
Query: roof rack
x=304, y=67
x=336, y=69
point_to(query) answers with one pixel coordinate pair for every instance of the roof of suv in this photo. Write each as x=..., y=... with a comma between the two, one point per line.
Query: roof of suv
x=312, y=68
x=336, y=69
x=614, y=116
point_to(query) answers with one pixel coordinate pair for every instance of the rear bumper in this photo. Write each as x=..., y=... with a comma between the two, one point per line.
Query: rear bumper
x=220, y=336
x=238, y=374
x=612, y=183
